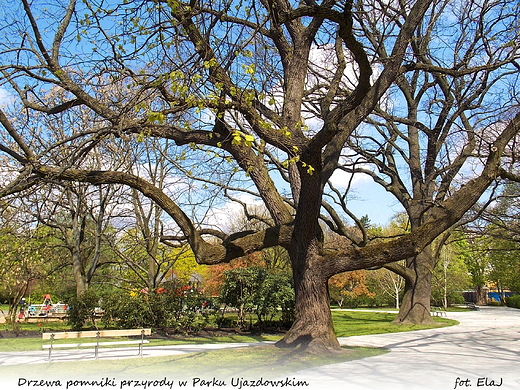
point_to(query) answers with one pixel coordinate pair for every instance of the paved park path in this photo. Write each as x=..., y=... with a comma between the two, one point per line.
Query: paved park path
x=483, y=352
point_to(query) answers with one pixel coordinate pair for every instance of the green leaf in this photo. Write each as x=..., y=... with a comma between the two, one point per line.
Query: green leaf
x=249, y=140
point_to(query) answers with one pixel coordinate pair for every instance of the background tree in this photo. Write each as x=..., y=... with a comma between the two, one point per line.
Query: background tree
x=247, y=87
x=478, y=266
x=348, y=286
x=450, y=276
x=254, y=290
x=435, y=124
x=504, y=267
x=26, y=257
x=387, y=283
x=79, y=221
x=494, y=236
x=80, y=215
x=143, y=252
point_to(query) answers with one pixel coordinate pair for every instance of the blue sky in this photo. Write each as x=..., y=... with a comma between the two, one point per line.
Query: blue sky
x=372, y=200
x=367, y=197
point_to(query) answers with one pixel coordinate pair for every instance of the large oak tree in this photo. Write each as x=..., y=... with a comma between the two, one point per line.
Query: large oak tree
x=277, y=87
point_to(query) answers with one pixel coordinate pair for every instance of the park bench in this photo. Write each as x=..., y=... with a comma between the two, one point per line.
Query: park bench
x=98, y=334
x=439, y=312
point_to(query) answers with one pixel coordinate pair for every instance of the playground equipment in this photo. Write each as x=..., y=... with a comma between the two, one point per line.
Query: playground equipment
x=48, y=309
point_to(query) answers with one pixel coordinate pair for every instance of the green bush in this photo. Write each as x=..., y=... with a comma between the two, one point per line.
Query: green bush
x=82, y=309
x=275, y=294
x=513, y=301
x=128, y=311
x=254, y=290
x=456, y=298
x=378, y=300
x=178, y=308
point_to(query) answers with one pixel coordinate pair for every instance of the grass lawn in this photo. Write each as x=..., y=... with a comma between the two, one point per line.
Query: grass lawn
x=254, y=362
x=356, y=323
x=346, y=323
x=35, y=344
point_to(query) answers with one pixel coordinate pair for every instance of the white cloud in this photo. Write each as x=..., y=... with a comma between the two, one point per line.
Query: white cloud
x=5, y=98
x=228, y=216
x=341, y=179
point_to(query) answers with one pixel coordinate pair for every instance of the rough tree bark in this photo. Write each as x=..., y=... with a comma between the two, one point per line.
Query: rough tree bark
x=415, y=306
x=312, y=329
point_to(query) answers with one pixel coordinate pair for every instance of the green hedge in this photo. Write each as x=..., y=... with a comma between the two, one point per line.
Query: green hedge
x=513, y=301
x=180, y=308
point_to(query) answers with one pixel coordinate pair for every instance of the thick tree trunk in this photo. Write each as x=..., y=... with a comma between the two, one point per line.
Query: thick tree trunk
x=415, y=307
x=481, y=295
x=74, y=243
x=79, y=273
x=312, y=329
